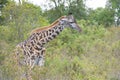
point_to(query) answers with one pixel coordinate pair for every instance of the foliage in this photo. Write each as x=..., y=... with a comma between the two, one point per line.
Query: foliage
x=102, y=16
x=22, y=19
x=115, y=6
x=92, y=54
x=2, y=4
x=63, y=7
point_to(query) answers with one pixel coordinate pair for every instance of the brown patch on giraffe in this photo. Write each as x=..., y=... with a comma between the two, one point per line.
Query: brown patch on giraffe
x=47, y=27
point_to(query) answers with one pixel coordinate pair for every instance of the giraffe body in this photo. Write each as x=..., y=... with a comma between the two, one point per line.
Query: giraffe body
x=33, y=50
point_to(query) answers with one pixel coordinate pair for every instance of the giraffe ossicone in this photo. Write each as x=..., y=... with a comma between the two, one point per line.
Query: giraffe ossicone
x=32, y=50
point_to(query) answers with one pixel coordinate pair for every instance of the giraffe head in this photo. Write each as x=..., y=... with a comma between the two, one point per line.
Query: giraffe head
x=69, y=21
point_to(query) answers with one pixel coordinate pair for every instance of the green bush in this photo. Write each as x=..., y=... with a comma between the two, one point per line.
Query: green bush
x=92, y=54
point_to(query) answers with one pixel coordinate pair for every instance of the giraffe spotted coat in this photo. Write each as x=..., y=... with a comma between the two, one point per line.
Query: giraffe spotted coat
x=32, y=50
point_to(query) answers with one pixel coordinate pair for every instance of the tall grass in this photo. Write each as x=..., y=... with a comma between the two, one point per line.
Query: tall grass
x=92, y=54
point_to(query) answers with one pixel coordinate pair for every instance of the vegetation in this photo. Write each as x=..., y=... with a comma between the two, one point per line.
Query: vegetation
x=115, y=6
x=92, y=54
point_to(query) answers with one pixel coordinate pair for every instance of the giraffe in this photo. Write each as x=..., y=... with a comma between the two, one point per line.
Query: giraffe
x=33, y=49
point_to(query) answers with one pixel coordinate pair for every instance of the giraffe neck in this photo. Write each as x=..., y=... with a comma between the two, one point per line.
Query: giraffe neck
x=53, y=32
x=42, y=37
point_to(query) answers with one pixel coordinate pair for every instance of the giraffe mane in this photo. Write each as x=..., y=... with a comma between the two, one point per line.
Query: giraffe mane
x=47, y=27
